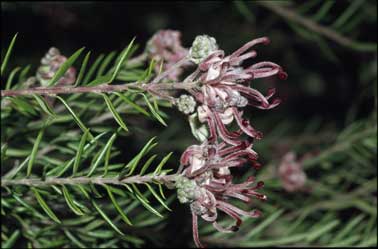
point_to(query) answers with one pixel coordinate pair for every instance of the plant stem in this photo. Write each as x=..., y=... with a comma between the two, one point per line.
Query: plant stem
x=99, y=89
x=88, y=180
x=317, y=28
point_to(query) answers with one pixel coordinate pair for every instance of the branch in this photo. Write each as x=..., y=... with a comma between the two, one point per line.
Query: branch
x=313, y=161
x=88, y=180
x=315, y=27
x=99, y=89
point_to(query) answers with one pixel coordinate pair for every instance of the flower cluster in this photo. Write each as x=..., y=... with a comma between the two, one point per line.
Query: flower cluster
x=165, y=46
x=291, y=173
x=50, y=63
x=206, y=180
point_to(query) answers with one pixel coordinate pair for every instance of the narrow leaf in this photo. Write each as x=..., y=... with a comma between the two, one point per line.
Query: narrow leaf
x=145, y=202
x=93, y=68
x=157, y=196
x=134, y=162
x=106, y=218
x=105, y=63
x=12, y=239
x=116, y=205
x=147, y=164
x=10, y=78
x=123, y=57
x=75, y=117
x=154, y=113
x=64, y=67
x=102, y=154
x=34, y=152
x=162, y=163
x=44, y=206
x=79, y=152
x=135, y=106
x=82, y=69
x=70, y=202
x=7, y=55
x=44, y=105
x=112, y=109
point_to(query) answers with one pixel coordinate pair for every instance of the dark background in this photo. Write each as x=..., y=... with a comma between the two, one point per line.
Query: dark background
x=329, y=85
x=317, y=84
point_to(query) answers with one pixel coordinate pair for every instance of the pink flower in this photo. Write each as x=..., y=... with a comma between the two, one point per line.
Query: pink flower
x=206, y=180
x=165, y=46
x=291, y=173
x=50, y=64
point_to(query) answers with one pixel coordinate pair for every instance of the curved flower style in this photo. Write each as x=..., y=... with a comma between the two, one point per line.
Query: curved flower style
x=206, y=180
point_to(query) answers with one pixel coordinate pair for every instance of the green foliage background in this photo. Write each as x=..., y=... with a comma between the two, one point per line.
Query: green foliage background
x=329, y=112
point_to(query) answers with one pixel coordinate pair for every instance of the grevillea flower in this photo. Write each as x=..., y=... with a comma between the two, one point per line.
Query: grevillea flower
x=291, y=173
x=50, y=63
x=205, y=179
x=165, y=46
x=206, y=183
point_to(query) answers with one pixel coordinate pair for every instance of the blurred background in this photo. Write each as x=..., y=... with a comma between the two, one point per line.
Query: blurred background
x=324, y=130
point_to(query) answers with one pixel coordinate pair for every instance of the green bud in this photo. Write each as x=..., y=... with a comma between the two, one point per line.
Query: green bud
x=203, y=46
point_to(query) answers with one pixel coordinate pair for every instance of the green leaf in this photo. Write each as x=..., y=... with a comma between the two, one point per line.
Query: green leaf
x=135, y=106
x=106, y=218
x=7, y=55
x=10, y=78
x=93, y=68
x=64, y=67
x=147, y=73
x=108, y=152
x=162, y=163
x=21, y=105
x=102, y=154
x=323, y=10
x=75, y=117
x=122, y=59
x=34, y=152
x=12, y=239
x=23, y=73
x=82, y=69
x=44, y=206
x=264, y=224
x=112, y=109
x=70, y=201
x=154, y=113
x=79, y=152
x=157, y=196
x=147, y=164
x=105, y=63
x=347, y=228
x=117, y=207
x=145, y=202
x=313, y=235
x=342, y=19
x=44, y=105
x=33, y=210
x=100, y=80
x=73, y=239
x=134, y=162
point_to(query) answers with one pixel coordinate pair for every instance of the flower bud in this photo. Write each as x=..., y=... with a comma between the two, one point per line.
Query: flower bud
x=203, y=46
x=50, y=64
x=186, y=104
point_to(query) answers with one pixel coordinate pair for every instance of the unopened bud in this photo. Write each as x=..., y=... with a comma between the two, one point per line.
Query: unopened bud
x=203, y=46
x=186, y=104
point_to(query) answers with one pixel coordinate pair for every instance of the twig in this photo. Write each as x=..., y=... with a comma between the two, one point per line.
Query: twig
x=88, y=180
x=315, y=27
x=339, y=147
x=98, y=89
